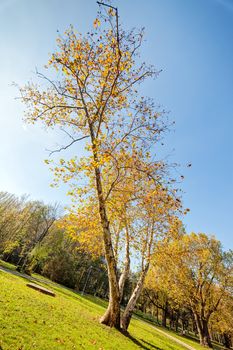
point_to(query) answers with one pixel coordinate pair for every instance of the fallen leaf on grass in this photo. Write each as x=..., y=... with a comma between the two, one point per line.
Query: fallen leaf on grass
x=59, y=340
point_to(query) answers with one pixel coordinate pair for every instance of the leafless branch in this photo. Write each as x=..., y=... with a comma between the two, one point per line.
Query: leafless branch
x=67, y=146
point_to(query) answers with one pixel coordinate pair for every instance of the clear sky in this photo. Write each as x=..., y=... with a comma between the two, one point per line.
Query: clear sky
x=191, y=40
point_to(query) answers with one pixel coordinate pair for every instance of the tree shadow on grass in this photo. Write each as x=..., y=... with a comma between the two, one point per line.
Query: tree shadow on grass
x=140, y=343
x=151, y=345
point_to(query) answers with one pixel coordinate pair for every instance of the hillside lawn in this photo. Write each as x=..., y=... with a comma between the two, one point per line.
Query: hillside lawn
x=32, y=320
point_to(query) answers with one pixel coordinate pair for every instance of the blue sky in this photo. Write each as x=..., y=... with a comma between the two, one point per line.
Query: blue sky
x=191, y=40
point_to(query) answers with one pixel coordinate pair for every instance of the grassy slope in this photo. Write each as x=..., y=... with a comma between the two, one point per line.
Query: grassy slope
x=31, y=320
x=188, y=339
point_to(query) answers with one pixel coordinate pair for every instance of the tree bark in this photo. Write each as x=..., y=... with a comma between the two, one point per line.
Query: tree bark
x=164, y=315
x=203, y=331
x=122, y=279
x=125, y=272
x=157, y=314
x=227, y=340
x=177, y=321
x=206, y=334
x=133, y=300
x=111, y=317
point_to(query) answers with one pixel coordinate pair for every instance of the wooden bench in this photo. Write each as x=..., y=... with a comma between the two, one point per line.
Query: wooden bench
x=41, y=289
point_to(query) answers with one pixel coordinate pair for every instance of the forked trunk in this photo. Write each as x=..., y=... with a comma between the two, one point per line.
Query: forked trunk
x=203, y=331
x=206, y=341
x=126, y=317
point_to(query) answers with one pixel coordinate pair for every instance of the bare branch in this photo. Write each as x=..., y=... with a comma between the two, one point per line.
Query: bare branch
x=67, y=146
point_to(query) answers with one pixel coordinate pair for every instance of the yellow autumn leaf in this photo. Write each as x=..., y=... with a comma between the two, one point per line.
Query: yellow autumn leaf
x=96, y=23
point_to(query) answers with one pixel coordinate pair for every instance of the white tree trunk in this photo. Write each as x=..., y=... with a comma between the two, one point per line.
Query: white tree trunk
x=133, y=300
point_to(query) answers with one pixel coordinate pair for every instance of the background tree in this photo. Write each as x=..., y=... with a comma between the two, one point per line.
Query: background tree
x=196, y=272
x=39, y=225
x=15, y=214
x=221, y=322
x=160, y=300
x=23, y=225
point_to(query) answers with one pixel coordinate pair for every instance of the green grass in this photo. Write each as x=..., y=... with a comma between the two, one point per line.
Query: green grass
x=192, y=341
x=7, y=265
x=188, y=339
x=32, y=320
